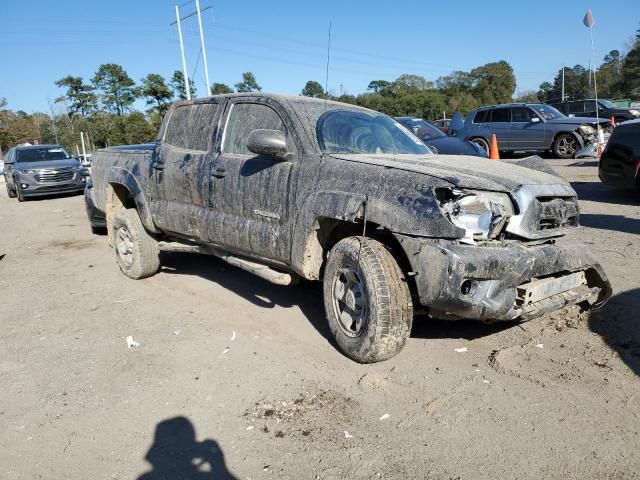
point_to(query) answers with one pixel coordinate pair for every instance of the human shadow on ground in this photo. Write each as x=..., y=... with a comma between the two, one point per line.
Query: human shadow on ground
x=599, y=192
x=307, y=296
x=618, y=323
x=175, y=454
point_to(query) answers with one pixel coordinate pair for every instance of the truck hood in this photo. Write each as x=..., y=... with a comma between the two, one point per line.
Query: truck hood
x=462, y=171
x=70, y=162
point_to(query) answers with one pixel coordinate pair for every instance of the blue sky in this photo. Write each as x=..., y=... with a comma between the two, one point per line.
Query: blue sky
x=284, y=42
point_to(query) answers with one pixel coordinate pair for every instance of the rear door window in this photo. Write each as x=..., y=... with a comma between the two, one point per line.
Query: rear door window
x=500, y=115
x=245, y=118
x=191, y=127
x=522, y=115
x=575, y=107
x=481, y=116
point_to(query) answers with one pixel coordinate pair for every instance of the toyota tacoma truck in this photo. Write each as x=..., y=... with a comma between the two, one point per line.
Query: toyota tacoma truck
x=294, y=187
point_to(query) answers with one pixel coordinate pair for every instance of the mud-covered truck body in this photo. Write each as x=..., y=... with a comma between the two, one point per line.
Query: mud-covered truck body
x=293, y=187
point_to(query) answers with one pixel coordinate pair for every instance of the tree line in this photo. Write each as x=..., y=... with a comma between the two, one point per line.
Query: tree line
x=102, y=107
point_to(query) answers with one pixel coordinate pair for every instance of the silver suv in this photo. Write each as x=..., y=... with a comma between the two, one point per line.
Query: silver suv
x=531, y=127
x=35, y=170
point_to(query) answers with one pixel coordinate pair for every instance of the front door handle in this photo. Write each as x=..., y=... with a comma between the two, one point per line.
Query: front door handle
x=219, y=172
x=158, y=166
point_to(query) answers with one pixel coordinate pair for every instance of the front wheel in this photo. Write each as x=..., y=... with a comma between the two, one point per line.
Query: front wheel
x=137, y=252
x=565, y=146
x=482, y=143
x=19, y=193
x=367, y=300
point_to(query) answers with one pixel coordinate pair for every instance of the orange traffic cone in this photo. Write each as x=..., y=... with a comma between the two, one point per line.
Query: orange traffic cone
x=493, y=151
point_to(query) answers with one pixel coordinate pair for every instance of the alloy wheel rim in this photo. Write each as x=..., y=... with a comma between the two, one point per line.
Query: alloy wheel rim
x=567, y=146
x=350, y=301
x=124, y=246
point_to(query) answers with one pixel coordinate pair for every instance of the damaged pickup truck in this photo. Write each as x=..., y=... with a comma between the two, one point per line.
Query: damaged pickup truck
x=295, y=187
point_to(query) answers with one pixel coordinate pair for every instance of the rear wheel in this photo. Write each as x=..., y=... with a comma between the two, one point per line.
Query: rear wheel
x=565, y=146
x=367, y=300
x=137, y=252
x=482, y=143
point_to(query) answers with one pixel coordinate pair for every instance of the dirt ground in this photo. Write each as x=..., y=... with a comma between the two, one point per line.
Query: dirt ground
x=237, y=378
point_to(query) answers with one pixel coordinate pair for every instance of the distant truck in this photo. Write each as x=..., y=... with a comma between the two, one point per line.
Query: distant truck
x=295, y=187
x=587, y=108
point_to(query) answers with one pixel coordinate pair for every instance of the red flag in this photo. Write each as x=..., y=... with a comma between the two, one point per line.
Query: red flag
x=588, y=19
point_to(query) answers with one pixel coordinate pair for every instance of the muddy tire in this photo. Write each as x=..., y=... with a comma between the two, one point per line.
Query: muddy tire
x=137, y=252
x=10, y=193
x=367, y=300
x=565, y=146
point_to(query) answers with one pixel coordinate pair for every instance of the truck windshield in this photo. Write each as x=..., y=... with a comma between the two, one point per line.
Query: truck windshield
x=44, y=154
x=606, y=104
x=350, y=131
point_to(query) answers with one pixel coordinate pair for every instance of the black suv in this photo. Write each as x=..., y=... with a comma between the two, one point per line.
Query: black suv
x=620, y=161
x=587, y=108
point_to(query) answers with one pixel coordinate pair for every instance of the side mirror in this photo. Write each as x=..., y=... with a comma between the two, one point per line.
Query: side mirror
x=535, y=119
x=272, y=143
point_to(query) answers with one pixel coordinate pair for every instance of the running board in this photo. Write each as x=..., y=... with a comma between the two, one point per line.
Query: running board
x=258, y=269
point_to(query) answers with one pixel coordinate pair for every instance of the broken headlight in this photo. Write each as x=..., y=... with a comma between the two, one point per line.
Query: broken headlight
x=481, y=215
x=586, y=130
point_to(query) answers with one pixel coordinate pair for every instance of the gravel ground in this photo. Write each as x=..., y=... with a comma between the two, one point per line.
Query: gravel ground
x=237, y=378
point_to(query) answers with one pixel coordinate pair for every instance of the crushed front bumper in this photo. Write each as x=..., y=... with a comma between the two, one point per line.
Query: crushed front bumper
x=496, y=283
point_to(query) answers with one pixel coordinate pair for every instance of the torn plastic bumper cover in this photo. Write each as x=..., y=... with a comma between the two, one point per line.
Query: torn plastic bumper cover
x=498, y=283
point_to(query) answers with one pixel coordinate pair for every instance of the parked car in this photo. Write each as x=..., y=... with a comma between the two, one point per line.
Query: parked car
x=36, y=170
x=620, y=160
x=443, y=124
x=587, y=108
x=440, y=142
x=531, y=127
x=288, y=187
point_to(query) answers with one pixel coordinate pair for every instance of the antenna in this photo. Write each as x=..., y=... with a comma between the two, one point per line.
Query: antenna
x=326, y=80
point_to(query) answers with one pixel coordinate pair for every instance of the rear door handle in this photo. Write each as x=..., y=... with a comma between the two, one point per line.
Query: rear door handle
x=219, y=172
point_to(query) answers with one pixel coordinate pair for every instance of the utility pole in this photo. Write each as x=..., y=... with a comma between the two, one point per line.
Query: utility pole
x=563, y=83
x=84, y=153
x=204, y=50
x=185, y=73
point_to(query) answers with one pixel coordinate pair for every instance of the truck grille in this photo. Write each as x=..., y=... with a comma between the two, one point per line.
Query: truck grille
x=54, y=176
x=545, y=211
x=557, y=213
